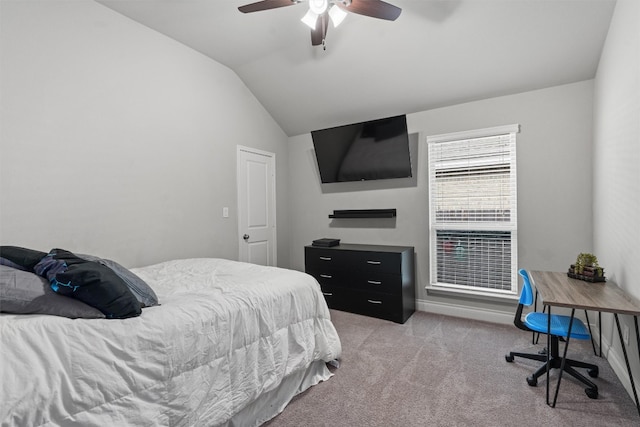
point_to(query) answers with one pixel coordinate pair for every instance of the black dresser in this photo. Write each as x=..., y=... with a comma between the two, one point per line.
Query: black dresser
x=373, y=280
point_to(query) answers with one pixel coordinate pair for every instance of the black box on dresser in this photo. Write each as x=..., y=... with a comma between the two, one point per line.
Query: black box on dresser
x=373, y=280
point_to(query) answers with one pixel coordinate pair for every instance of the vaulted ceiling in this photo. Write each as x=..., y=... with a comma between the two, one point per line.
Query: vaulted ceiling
x=437, y=53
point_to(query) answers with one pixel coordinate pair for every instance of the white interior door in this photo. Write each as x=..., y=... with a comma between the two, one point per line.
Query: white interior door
x=256, y=206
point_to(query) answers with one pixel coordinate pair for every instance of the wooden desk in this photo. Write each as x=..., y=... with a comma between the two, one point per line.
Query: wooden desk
x=558, y=290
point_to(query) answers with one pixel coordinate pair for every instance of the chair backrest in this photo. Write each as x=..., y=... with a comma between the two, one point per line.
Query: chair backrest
x=526, y=296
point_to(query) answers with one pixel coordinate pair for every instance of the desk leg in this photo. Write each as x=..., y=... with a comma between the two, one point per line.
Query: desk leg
x=564, y=358
x=635, y=322
x=600, y=332
x=626, y=357
x=548, y=347
x=593, y=344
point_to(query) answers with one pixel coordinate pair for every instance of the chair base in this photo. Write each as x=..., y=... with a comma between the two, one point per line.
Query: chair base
x=555, y=362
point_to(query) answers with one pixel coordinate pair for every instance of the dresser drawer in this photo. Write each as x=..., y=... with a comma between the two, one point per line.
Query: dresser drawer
x=363, y=261
x=383, y=306
x=379, y=282
x=374, y=281
x=378, y=262
x=326, y=275
x=335, y=298
x=322, y=259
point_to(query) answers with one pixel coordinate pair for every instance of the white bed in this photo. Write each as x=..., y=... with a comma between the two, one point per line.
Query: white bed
x=230, y=344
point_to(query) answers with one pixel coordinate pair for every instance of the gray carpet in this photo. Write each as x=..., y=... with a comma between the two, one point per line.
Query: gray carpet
x=444, y=371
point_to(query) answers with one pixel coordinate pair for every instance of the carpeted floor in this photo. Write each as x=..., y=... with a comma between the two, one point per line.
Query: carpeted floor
x=444, y=371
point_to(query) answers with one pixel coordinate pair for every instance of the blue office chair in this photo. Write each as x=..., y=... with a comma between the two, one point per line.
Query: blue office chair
x=538, y=322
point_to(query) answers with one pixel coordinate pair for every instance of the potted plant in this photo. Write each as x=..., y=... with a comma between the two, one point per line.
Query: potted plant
x=589, y=262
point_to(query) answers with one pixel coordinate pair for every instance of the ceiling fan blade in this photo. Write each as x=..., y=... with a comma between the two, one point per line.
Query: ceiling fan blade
x=320, y=32
x=373, y=8
x=266, y=5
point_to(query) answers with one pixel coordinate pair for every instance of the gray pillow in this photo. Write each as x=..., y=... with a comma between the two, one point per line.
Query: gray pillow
x=9, y=263
x=22, y=292
x=138, y=287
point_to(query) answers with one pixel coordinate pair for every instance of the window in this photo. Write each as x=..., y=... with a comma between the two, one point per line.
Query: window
x=472, y=211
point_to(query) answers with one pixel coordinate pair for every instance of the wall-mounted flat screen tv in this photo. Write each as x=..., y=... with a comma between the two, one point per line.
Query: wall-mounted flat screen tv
x=376, y=149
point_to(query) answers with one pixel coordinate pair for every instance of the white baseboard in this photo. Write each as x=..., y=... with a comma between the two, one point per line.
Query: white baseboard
x=466, y=312
x=616, y=361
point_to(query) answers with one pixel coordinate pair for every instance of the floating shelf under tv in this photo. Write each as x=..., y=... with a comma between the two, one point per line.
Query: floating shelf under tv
x=363, y=213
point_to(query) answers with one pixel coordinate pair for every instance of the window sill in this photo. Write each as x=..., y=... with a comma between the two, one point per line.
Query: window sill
x=491, y=296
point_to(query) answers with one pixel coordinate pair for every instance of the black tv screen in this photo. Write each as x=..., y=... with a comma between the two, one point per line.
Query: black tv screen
x=376, y=149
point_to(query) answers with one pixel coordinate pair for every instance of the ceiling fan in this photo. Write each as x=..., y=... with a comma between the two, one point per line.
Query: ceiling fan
x=321, y=11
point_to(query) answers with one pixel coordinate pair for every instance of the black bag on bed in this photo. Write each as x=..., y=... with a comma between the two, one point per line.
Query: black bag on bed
x=90, y=282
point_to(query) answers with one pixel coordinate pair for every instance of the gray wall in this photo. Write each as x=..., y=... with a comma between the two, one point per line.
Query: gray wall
x=616, y=165
x=554, y=188
x=119, y=141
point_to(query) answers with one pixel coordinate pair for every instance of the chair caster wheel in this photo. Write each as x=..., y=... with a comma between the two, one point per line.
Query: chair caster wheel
x=593, y=373
x=532, y=381
x=508, y=358
x=592, y=393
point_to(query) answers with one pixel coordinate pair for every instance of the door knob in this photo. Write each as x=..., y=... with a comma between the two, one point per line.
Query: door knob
x=245, y=237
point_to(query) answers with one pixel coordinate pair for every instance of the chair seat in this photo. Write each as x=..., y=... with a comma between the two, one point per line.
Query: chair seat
x=559, y=325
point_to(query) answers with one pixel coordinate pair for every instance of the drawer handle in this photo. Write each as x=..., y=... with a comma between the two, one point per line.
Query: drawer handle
x=325, y=258
x=374, y=262
x=374, y=282
x=326, y=276
x=327, y=294
x=372, y=301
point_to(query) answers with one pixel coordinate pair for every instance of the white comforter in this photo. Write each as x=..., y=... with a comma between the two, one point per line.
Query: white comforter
x=226, y=333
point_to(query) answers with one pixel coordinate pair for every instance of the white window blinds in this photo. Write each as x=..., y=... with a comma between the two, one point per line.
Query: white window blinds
x=472, y=206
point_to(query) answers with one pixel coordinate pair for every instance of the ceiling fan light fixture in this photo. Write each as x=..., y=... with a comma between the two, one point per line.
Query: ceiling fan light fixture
x=310, y=18
x=318, y=6
x=337, y=15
